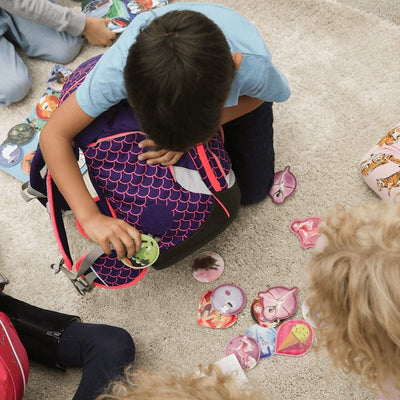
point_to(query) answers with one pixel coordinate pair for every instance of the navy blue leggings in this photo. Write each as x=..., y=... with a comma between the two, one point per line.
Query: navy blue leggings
x=249, y=141
x=102, y=351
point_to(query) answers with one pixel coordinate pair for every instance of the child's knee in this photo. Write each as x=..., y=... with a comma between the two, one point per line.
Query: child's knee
x=119, y=345
x=66, y=49
x=14, y=88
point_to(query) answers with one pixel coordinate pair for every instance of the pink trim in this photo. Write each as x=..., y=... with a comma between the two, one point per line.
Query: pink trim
x=104, y=139
x=53, y=222
x=79, y=262
x=171, y=169
x=222, y=134
x=136, y=280
x=141, y=275
x=80, y=229
x=223, y=207
x=113, y=213
x=206, y=164
x=218, y=163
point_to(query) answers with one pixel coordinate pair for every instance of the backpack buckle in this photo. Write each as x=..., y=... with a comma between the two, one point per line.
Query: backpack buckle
x=3, y=281
x=80, y=284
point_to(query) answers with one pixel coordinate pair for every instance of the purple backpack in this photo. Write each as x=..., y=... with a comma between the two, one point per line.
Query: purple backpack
x=192, y=201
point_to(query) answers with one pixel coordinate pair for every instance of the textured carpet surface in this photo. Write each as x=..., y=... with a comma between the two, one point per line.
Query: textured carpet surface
x=342, y=63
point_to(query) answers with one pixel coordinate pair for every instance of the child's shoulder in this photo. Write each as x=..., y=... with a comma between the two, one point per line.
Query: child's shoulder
x=211, y=10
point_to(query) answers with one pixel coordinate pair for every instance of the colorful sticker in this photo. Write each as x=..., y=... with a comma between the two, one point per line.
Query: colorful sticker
x=118, y=24
x=46, y=106
x=246, y=350
x=278, y=302
x=294, y=338
x=306, y=230
x=146, y=256
x=27, y=161
x=98, y=8
x=228, y=299
x=285, y=184
x=207, y=266
x=10, y=154
x=21, y=134
x=207, y=316
x=256, y=313
x=265, y=338
x=58, y=77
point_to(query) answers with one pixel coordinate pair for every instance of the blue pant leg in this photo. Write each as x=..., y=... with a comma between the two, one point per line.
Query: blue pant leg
x=249, y=141
x=42, y=41
x=15, y=81
x=103, y=351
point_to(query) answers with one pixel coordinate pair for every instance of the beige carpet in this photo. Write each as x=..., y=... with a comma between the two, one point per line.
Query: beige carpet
x=343, y=68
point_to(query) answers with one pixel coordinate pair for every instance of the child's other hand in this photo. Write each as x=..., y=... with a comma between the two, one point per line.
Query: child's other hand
x=163, y=157
x=106, y=230
x=97, y=33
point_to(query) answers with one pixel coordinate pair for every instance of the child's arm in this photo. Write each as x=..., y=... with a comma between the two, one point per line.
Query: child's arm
x=55, y=142
x=245, y=105
x=62, y=18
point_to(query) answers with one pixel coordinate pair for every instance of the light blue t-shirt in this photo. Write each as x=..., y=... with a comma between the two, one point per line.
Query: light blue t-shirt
x=256, y=77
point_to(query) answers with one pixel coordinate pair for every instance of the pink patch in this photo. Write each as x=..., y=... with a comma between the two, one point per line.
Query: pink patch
x=278, y=302
x=294, y=338
x=246, y=350
x=285, y=184
x=306, y=230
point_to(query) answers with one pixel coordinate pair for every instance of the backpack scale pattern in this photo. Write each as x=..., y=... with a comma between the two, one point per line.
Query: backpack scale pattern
x=146, y=196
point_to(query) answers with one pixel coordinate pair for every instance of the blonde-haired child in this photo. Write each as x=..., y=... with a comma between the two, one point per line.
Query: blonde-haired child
x=354, y=297
x=210, y=384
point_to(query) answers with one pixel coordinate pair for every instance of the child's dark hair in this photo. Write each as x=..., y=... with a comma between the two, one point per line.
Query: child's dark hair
x=178, y=75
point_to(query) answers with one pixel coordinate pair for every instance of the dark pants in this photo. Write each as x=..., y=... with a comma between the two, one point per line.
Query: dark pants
x=249, y=141
x=102, y=351
x=57, y=339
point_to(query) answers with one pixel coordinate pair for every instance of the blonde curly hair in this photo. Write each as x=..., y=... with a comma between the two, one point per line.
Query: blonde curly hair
x=210, y=384
x=354, y=297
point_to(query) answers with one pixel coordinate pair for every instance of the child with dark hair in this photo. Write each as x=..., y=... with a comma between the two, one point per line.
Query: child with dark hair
x=185, y=69
x=180, y=98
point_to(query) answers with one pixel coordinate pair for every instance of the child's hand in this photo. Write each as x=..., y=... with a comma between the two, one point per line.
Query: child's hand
x=106, y=230
x=163, y=157
x=97, y=33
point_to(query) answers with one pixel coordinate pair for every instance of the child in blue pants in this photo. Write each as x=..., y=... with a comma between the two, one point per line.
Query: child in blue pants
x=45, y=30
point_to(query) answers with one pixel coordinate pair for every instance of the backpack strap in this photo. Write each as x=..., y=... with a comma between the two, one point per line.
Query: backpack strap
x=82, y=283
x=57, y=221
x=28, y=193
